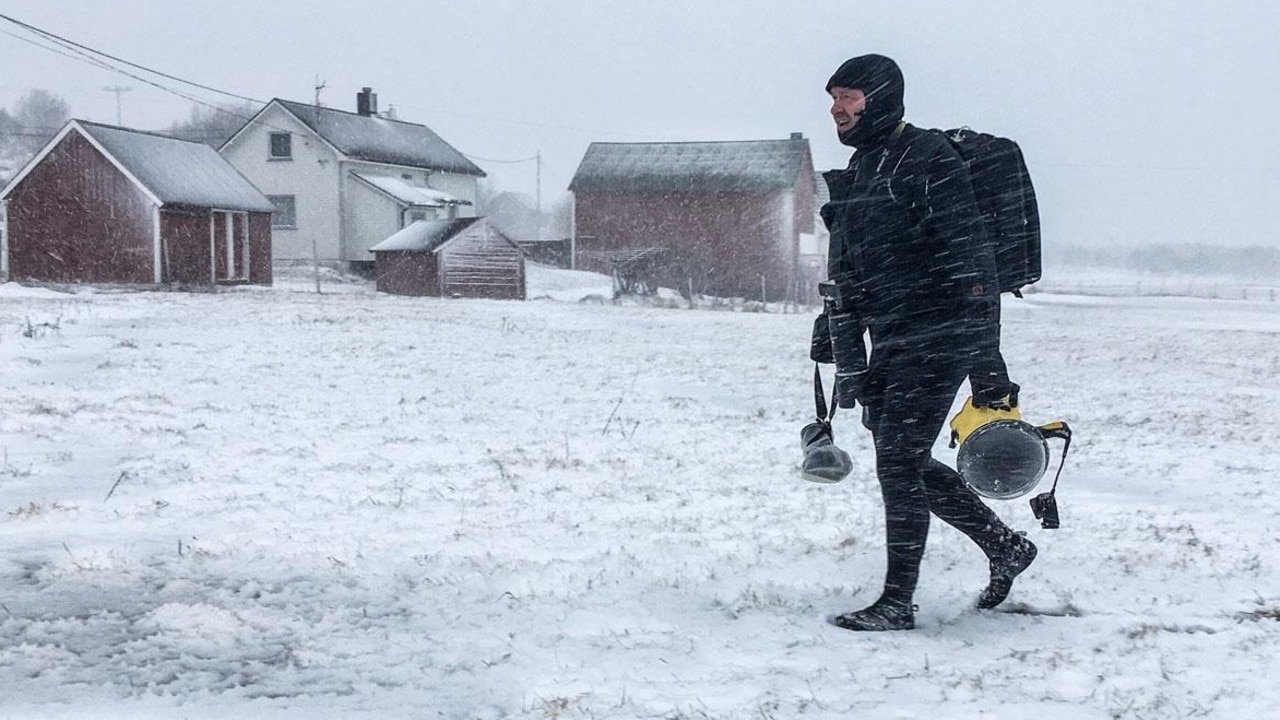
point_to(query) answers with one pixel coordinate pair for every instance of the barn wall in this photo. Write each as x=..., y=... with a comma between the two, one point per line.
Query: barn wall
x=724, y=241
x=185, y=240
x=481, y=263
x=185, y=246
x=260, y=256
x=76, y=218
x=407, y=273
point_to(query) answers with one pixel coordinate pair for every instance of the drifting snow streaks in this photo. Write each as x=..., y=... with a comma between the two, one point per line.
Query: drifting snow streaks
x=354, y=504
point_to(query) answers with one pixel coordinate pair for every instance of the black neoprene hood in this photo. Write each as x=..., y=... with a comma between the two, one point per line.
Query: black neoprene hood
x=879, y=78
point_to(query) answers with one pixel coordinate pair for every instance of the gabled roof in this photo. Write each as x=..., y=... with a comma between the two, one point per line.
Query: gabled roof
x=403, y=192
x=376, y=139
x=735, y=166
x=425, y=235
x=169, y=170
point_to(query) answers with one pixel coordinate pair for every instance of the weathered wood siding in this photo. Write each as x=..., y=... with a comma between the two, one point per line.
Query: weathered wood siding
x=407, y=273
x=481, y=263
x=725, y=242
x=260, y=252
x=185, y=246
x=76, y=218
x=185, y=243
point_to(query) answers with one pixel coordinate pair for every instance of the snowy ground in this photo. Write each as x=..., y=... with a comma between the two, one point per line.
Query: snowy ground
x=270, y=503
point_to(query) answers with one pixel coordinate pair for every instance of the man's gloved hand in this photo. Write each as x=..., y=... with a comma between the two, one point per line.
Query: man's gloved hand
x=974, y=415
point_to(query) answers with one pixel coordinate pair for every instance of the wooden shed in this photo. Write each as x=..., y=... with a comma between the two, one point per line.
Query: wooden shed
x=104, y=204
x=466, y=257
x=726, y=218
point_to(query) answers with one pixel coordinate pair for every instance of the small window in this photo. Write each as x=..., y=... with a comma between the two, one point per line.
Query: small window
x=281, y=146
x=406, y=176
x=416, y=215
x=286, y=214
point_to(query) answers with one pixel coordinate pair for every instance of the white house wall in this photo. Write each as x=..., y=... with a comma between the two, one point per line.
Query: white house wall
x=365, y=225
x=372, y=218
x=463, y=187
x=311, y=177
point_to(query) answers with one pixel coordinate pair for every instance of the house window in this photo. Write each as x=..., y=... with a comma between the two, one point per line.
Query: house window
x=286, y=214
x=406, y=176
x=281, y=146
x=416, y=215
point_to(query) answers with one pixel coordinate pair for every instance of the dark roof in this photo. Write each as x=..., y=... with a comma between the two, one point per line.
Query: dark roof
x=736, y=166
x=178, y=172
x=424, y=235
x=380, y=140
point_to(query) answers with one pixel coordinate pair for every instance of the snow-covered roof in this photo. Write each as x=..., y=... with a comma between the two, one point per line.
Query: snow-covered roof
x=376, y=139
x=735, y=166
x=169, y=170
x=410, y=194
x=425, y=235
x=179, y=172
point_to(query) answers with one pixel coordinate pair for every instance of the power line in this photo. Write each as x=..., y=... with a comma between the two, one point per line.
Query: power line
x=29, y=41
x=61, y=39
x=82, y=51
x=84, y=57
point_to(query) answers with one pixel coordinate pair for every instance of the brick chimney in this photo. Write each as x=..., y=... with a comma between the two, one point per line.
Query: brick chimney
x=367, y=102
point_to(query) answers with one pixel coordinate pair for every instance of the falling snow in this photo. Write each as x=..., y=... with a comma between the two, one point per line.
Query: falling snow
x=271, y=503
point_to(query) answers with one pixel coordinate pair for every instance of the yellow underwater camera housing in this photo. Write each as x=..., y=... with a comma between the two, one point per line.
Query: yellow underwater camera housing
x=1002, y=457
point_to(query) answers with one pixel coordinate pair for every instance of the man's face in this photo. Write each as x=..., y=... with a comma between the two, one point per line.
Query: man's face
x=847, y=105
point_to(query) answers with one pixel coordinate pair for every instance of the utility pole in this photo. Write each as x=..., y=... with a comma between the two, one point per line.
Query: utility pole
x=541, y=223
x=320, y=85
x=118, y=90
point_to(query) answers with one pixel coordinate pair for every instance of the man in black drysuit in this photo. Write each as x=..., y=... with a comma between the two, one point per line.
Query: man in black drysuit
x=909, y=263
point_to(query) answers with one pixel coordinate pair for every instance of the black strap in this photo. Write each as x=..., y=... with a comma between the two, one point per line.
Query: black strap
x=820, y=398
x=1061, y=430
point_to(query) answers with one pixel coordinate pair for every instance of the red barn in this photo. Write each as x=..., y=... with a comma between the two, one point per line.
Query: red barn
x=103, y=204
x=721, y=218
x=466, y=257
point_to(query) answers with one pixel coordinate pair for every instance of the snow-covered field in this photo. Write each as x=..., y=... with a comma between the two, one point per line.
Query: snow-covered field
x=268, y=503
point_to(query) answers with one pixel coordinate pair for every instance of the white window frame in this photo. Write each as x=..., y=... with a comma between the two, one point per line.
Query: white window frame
x=271, y=145
x=293, y=199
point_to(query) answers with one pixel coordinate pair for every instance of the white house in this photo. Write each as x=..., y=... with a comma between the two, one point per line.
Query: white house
x=814, y=248
x=343, y=182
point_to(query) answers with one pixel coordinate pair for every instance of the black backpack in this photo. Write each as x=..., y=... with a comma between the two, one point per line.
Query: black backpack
x=1007, y=201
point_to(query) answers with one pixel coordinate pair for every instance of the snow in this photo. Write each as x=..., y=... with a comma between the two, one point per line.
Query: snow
x=381, y=140
x=179, y=172
x=724, y=166
x=273, y=503
x=424, y=235
x=411, y=194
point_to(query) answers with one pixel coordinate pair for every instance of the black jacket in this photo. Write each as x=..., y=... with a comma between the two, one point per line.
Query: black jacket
x=908, y=246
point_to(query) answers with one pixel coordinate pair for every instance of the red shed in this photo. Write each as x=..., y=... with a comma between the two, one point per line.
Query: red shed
x=466, y=257
x=724, y=217
x=103, y=204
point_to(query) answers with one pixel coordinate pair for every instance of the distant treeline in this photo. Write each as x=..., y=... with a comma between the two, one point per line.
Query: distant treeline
x=1198, y=259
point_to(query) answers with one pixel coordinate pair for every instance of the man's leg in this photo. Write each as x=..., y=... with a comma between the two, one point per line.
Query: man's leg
x=905, y=418
x=960, y=507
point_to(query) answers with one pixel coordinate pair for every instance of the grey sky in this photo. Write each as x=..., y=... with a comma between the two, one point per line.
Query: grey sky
x=1142, y=121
